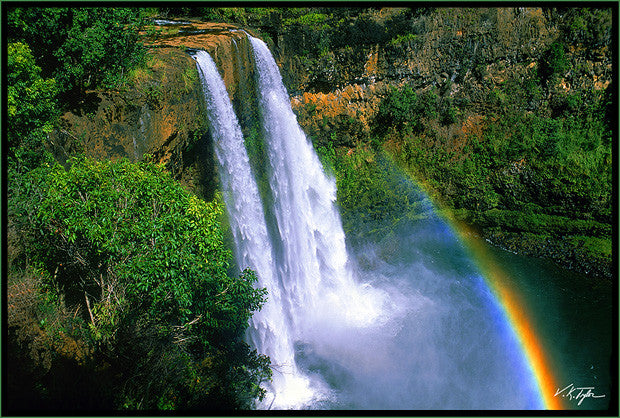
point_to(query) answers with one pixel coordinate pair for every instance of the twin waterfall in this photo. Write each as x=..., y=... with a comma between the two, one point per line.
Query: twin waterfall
x=302, y=259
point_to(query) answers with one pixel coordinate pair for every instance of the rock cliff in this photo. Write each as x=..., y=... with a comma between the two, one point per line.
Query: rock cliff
x=484, y=64
x=465, y=53
x=160, y=111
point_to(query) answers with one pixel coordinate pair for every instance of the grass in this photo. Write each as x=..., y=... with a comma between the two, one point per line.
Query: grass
x=190, y=78
x=593, y=246
x=541, y=223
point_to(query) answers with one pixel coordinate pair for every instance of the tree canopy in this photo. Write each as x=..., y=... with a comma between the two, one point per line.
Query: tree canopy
x=145, y=263
x=31, y=104
x=80, y=47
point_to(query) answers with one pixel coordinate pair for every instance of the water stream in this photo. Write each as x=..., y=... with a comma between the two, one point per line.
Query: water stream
x=253, y=250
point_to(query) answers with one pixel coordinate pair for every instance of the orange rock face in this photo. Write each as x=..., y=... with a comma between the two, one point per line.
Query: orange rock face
x=227, y=45
x=347, y=112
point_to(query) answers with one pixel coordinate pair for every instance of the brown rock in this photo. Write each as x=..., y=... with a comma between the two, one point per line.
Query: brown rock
x=160, y=111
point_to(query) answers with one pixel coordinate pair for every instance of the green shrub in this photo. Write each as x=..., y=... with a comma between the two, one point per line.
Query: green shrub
x=398, y=109
x=588, y=26
x=554, y=62
x=146, y=263
x=407, y=38
x=31, y=106
x=373, y=196
x=309, y=19
x=80, y=47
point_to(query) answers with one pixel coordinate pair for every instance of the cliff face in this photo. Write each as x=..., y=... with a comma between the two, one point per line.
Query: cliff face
x=465, y=53
x=484, y=65
x=160, y=112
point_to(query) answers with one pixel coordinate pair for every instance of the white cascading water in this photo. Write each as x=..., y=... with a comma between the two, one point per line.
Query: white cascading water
x=247, y=221
x=309, y=282
x=314, y=260
x=317, y=279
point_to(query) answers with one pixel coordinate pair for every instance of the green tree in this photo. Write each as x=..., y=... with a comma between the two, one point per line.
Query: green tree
x=145, y=262
x=554, y=62
x=403, y=108
x=81, y=47
x=588, y=26
x=398, y=108
x=31, y=105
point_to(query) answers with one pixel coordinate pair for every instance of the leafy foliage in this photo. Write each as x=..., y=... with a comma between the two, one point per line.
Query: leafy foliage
x=30, y=98
x=31, y=105
x=80, y=47
x=146, y=263
x=399, y=109
x=404, y=109
x=587, y=26
x=554, y=62
x=372, y=195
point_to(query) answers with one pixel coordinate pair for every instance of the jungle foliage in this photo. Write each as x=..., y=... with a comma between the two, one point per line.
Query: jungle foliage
x=31, y=106
x=529, y=155
x=132, y=270
x=81, y=48
x=54, y=56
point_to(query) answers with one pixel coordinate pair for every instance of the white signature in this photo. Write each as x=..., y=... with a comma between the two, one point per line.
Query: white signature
x=579, y=394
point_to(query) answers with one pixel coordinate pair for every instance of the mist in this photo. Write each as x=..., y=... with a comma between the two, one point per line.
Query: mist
x=438, y=342
x=394, y=320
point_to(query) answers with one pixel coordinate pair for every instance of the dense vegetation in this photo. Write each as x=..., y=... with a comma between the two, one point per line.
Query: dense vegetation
x=538, y=166
x=54, y=55
x=120, y=294
x=31, y=106
x=81, y=47
x=130, y=273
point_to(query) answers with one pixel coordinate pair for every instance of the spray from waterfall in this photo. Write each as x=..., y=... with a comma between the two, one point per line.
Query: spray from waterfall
x=309, y=279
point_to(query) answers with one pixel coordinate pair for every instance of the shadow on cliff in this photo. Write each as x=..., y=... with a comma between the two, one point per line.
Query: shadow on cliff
x=81, y=104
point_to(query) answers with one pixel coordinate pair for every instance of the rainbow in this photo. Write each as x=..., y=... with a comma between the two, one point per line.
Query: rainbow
x=514, y=310
x=511, y=303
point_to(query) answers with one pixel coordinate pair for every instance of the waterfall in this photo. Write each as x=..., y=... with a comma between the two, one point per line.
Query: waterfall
x=309, y=278
x=253, y=247
x=318, y=284
x=314, y=260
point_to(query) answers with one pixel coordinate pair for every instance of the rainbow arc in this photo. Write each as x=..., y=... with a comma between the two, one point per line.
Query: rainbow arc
x=515, y=312
x=514, y=308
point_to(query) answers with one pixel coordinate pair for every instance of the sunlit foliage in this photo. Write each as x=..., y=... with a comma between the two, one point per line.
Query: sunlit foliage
x=143, y=265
